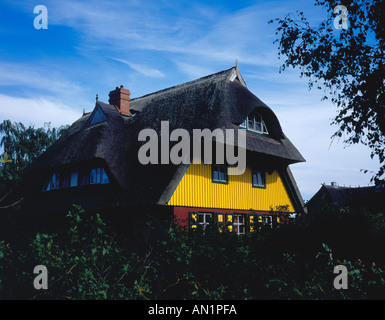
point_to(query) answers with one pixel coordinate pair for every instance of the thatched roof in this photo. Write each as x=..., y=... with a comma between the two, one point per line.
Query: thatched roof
x=327, y=196
x=220, y=100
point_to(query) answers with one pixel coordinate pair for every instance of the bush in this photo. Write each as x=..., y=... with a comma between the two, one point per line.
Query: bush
x=88, y=261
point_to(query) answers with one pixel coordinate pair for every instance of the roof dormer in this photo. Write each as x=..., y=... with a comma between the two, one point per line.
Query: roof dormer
x=255, y=123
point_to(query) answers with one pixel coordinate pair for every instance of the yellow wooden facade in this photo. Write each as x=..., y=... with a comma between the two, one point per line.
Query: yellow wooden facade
x=196, y=189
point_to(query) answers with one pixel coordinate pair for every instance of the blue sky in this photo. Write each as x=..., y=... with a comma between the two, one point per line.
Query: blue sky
x=90, y=47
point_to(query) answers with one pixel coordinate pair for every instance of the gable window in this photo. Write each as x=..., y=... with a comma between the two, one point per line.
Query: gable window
x=96, y=117
x=258, y=179
x=254, y=122
x=219, y=173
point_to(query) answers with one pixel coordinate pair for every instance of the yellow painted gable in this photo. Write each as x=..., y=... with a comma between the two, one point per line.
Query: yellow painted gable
x=196, y=189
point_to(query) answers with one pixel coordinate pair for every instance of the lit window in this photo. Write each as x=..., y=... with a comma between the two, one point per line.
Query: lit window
x=219, y=173
x=258, y=179
x=265, y=220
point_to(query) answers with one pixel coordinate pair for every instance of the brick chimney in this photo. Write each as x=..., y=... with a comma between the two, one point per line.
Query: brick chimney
x=120, y=98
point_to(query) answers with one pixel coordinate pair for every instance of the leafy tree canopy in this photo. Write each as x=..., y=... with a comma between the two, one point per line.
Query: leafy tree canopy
x=21, y=145
x=348, y=63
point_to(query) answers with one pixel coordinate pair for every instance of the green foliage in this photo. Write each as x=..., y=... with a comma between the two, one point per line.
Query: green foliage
x=163, y=261
x=21, y=145
x=348, y=63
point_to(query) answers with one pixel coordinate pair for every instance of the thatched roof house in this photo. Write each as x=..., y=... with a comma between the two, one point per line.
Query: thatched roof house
x=106, y=140
x=334, y=196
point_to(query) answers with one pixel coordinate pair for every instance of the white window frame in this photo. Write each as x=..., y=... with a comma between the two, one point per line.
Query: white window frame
x=263, y=177
x=254, y=115
x=237, y=224
x=203, y=224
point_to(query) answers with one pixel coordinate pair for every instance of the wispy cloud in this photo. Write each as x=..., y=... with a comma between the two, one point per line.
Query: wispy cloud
x=123, y=27
x=37, y=111
x=149, y=72
x=24, y=76
x=192, y=70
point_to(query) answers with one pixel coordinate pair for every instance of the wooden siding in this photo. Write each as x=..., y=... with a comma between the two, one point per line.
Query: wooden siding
x=196, y=189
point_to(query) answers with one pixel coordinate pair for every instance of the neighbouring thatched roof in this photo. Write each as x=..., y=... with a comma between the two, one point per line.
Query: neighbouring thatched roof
x=371, y=197
x=220, y=100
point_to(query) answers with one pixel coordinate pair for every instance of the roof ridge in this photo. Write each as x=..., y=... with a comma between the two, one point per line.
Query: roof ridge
x=183, y=84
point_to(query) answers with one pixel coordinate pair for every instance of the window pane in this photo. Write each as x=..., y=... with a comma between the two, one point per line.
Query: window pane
x=255, y=180
x=264, y=129
x=84, y=178
x=93, y=176
x=258, y=126
x=47, y=185
x=104, y=177
x=219, y=173
x=222, y=175
x=64, y=181
x=74, y=179
x=259, y=182
x=261, y=178
x=215, y=173
x=55, y=181
x=98, y=175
